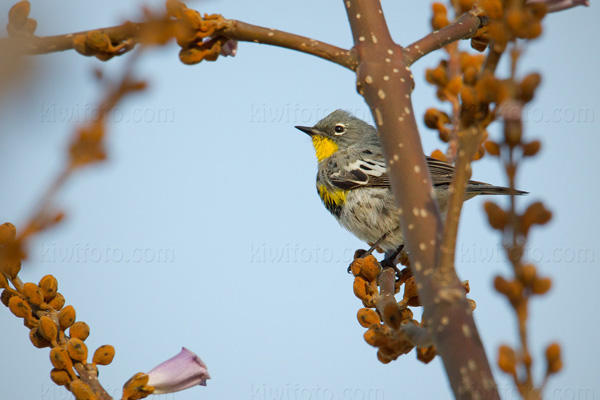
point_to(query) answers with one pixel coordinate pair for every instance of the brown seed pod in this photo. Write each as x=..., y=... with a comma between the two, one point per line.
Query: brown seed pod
x=37, y=340
x=384, y=359
x=528, y=274
x=77, y=350
x=104, y=355
x=541, y=285
x=79, y=330
x=66, y=317
x=553, y=359
x=492, y=148
x=425, y=355
x=81, y=390
x=532, y=148
x=392, y=315
x=361, y=289
x=32, y=293
x=59, y=357
x=57, y=302
x=47, y=328
x=19, y=307
x=370, y=268
x=497, y=217
x=60, y=377
x=49, y=286
x=507, y=359
x=367, y=317
x=375, y=336
x=5, y=297
x=3, y=281
x=17, y=15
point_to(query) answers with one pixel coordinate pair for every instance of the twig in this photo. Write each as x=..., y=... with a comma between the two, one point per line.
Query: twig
x=463, y=28
x=468, y=144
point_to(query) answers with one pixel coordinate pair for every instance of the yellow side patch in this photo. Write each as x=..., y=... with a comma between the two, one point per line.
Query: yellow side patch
x=333, y=200
x=324, y=147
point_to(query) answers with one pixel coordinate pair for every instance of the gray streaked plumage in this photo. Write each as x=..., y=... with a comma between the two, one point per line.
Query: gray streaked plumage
x=354, y=185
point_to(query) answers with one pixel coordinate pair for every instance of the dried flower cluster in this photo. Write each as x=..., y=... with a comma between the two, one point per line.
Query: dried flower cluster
x=52, y=324
x=390, y=324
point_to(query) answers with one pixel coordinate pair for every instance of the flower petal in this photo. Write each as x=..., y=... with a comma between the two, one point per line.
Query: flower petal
x=180, y=372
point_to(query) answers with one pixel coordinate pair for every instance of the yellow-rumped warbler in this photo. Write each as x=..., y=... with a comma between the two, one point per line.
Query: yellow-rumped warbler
x=353, y=183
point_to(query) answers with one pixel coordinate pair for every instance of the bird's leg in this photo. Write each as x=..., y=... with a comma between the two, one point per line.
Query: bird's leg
x=362, y=253
x=391, y=260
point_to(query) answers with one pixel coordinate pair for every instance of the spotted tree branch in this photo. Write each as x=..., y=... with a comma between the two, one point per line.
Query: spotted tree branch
x=134, y=33
x=463, y=28
x=385, y=81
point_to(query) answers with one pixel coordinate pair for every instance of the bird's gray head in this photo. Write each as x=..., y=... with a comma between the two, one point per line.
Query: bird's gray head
x=340, y=129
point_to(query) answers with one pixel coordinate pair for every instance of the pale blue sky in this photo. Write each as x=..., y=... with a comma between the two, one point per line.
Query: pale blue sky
x=217, y=240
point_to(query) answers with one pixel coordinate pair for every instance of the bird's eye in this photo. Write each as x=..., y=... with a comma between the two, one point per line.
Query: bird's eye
x=339, y=129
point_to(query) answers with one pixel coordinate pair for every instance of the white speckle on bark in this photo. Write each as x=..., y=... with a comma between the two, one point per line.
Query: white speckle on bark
x=422, y=246
x=416, y=211
x=445, y=320
x=411, y=227
x=417, y=169
x=418, y=266
x=374, y=38
x=381, y=94
x=386, y=78
x=407, y=110
x=361, y=39
x=358, y=16
x=369, y=79
x=472, y=364
x=378, y=117
x=396, y=157
x=466, y=331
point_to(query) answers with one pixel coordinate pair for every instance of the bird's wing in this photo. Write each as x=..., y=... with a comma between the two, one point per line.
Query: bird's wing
x=361, y=169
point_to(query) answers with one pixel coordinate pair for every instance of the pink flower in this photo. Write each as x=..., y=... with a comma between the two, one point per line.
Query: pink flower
x=229, y=48
x=559, y=5
x=183, y=371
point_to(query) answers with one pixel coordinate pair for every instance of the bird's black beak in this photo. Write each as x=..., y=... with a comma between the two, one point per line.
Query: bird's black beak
x=310, y=131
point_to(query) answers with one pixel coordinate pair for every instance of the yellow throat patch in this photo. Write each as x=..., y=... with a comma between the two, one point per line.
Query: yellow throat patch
x=324, y=147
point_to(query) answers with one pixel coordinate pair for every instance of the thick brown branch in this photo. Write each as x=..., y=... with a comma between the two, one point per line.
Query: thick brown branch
x=384, y=79
x=236, y=30
x=463, y=28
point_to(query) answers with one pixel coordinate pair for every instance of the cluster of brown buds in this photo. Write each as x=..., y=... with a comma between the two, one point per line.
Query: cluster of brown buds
x=19, y=23
x=100, y=45
x=459, y=82
x=509, y=20
x=52, y=324
x=198, y=35
x=390, y=324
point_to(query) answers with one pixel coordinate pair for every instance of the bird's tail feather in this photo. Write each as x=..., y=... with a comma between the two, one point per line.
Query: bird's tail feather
x=493, y=190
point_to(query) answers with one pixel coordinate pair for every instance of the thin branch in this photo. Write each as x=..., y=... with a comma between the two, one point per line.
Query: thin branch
x=244, y=32
x=233, y=29
x=468, y=144
x=463, y=28
x=384, y=79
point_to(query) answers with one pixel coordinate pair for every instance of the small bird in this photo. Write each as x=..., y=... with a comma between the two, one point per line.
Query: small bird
x=354, y=186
